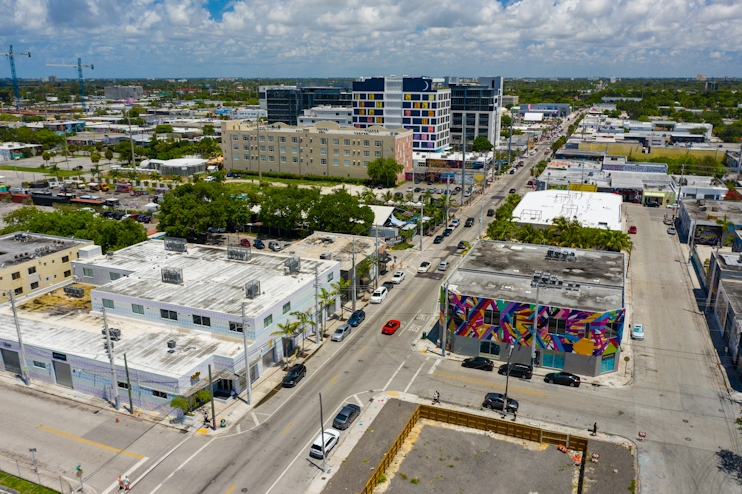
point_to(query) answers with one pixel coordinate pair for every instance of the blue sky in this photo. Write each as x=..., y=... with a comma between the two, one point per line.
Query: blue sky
x=351, y=38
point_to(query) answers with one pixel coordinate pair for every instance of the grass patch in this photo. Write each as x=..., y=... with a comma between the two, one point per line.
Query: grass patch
x=632, y=486
x=382, y=478
x=414, y=480
x=43, y=171
x=402, y=246
x=23, y=486
x=404, y=477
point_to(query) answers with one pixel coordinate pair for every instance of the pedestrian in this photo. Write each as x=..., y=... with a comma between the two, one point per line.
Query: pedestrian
x=233, y=394
x=121, y=483
x=595, y=429
x=515, y=415
x=436, y=398
x=127, y=485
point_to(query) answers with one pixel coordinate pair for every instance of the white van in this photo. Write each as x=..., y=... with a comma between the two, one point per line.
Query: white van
x=379, y=295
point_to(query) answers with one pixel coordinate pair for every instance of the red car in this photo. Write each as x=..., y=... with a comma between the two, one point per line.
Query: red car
x=245, y=242
x=391, y=326
x=632, y=229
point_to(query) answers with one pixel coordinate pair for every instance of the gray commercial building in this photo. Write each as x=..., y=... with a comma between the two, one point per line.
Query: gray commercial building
x=478, y=106
x=123, y=92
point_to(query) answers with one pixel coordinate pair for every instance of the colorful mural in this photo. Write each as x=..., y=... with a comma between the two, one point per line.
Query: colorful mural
x=516, y=323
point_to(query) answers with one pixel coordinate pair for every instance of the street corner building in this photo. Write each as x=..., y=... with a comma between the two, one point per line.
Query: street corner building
x=576, y=296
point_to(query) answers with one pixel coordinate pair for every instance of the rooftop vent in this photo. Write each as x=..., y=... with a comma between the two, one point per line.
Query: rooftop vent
x=292, y=265
x=176, y=244
x=252, y=289
x=171, y=344
x=73, y=291
x=325, y=255
x=239, y=253
x=174, y=276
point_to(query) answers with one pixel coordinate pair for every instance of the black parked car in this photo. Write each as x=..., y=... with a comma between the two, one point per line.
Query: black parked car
x=294, y=375
x=438, y=239
x=389, y=285
x=478, y=363
x=563, y=378
x=258, y=244
x=346, y=416
x=517, y=370
x=495, y=401
x=461, y=246
x=469, y=222
x=447, y=232
x=490, y=212
x=356, y=318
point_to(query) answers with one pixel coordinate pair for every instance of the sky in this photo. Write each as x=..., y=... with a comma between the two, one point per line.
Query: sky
x=353, y=38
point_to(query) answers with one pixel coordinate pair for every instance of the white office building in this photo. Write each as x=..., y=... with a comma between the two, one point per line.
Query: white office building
x=338, y=114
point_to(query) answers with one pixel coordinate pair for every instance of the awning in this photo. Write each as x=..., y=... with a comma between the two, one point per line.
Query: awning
x=397, y=222
x=204, y=382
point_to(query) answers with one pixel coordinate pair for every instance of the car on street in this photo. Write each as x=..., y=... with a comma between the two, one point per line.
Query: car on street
x=447, y=232
x=516, y=370
x=391, y=326
x=512, y=171
x=245, y=242
x=330, y=437
x=346, y=416
x=482, y=363
x=357, y=318
x=469, y=222
x=258, y=244
x=462, y=245
x=438, y=239
x=410, y=189
x=671, y=231
x=144, y=219
x=672, y=206
x=379, y=295
x=443, y=265
x=341, y=332
x=512, y=191
x=232, y=175
x=424, y=267
x=417, y=190
x=398, y=277
x=274, y=246
x=294, y=375
x=563, y=378
x=214, y=229
x=439, y=190
x=78, y=167
x=388, y=285
x=455, y=222
x=490, y=212
x=651, y=204
x=496, y=401
x=632, y=229
x=637, y=332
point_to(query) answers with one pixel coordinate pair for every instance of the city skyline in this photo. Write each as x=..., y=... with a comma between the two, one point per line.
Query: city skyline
x=258, y=39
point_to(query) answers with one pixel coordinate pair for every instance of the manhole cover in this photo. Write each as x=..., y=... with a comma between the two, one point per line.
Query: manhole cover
x=688, y=439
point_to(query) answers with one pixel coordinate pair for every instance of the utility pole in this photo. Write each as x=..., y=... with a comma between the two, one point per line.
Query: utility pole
x=131, y=139
x=422, y=211
x=128, y=385
x=376, y=256
x=680, y=186
x=24, y=367
x=114, y=381
x=534, y=336
x=316, y=303
x=481, y=208
x=463, y=158
x=448, y=194
x=248, y=382
x=260, y=163
x=353, y=275
x=444, y=326
x=211, y=390
x=507, y=381
x=510, y=137
x=711, y=284
x=66, y=152
x=322, y=434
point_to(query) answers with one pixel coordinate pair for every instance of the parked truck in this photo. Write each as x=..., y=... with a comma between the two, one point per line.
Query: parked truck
x=123, y=187
x=98, y=186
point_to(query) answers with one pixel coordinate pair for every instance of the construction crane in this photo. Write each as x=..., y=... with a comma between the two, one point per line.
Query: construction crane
x=79, y=67
x=16, y=89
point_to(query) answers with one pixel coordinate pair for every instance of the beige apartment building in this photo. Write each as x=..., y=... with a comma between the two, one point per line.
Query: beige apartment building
x=324, y=149
x=30, y=262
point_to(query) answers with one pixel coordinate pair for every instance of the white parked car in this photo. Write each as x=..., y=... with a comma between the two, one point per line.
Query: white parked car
x=410, y=189
x=210, y=179
x=398, y=277
x=637, y=333
x=379, y=295
x=341, y=332
x=330, y=437
x=424, y=267
x=443, y=265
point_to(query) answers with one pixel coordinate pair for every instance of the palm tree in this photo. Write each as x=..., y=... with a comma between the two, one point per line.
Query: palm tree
x=286, y=330
x=304, y=318
x=500, y=230
x=326, y=298
x=727, y=227
x=387, y=196
x=427, y=195
x=368, y=196
x=410, y=197
x=530, y=235
x=340, y=287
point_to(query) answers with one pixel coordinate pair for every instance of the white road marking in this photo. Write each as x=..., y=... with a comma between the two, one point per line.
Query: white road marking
x=162, y=458
x=358, y=400
x=126, y=474
x=415, y=328
x=255, y=418
x=432, y=369
x=239, y=428
x=181, y=465
x=394, y=375
x=416, y=373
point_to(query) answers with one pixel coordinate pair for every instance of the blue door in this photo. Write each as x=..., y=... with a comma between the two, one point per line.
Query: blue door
x=547, y=360
x=608, y=363
x=559, y=361
x=553, y=360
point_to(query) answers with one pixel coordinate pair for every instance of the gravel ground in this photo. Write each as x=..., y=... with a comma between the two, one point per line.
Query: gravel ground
x=367, y=454
x=600, y=477
x=452, y=459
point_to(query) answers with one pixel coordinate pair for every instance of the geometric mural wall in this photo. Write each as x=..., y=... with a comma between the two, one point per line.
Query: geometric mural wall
x=516, y=325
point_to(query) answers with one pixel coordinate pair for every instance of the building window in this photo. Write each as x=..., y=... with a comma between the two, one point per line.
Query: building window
x=557, y=326
x=336, y=162
x=262, y=149
x=336, y=152
x=377, y=154
x=492, y=317
x=294, y=150
x=108, y=304
x=235, y=326
x=40, y=365
x=262, y=139
x=293, y=139
x=237, y=157
x=202, y=320
x=336, y=142
x=366, y=143
x=611, y=329
x=377, y=144
x=330, y=277
x=18, y=290
x=346, y=142
x=168, y=314
x=346, y=162
x=244, y=138
x=270, y=138
x=67, y=274
x=247, y=157
x=16, y=275
x=323, y=141
x=159, y=394
x=34, y=285
x=294, y=160
x=268, y=321
x=32, y=270
x=262, y=158
x=270, y=149
x=366, y=154
x=123, y=385
x=271, y=158
x=281, y=139
x=234, y=137
x=114, y=276
x=365, y=163
x=323, y=151
x=137, y=309
x=287, y=307
x=283, y=159
x=346, y=152
x=235, y=146
x=323, y=161
x=66, y=259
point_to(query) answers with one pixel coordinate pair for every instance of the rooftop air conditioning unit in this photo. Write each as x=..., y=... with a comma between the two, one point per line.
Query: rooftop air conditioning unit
x=171, y=344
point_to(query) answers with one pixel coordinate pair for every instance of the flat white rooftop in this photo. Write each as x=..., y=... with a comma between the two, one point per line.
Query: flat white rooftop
x=591, y=209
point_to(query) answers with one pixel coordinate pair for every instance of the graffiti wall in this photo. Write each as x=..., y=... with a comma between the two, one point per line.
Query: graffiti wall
x=580, y=332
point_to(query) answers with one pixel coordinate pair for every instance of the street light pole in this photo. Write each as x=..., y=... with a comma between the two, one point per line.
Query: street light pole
x=114, y=381
x=248, y=382
x=353, y=275
x=444, y=326
x=481, y=208
x=22, y=350
x=131, y=140
x=322, y=434
x=422, y=213
x=507, y=381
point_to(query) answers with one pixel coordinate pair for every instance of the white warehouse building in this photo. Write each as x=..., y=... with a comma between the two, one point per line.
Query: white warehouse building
x=591, y=209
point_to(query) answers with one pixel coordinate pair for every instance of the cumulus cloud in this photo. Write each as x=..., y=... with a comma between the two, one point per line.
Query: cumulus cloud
x=284, y=38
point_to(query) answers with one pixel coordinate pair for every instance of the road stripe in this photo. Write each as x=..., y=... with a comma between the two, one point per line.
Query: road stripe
x=410, y=297
x=358, y=400
x=413, y=377
x=92, y=443
x=466, y=379
x=255, y=418
x=239, y=428
x=394, y=375
x=126, y=474
x=361, y=349
x=231, y=488
x=162, y=458
x=289, y=427
x=332, y=380
x=180, y=467
x=432, y=369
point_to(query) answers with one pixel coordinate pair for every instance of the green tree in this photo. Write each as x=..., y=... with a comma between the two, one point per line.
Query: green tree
x=384, y=170
x=340, y=212
x=481, y=144
x=208, y=130
x=304, y=318
x=108, y=154
x=286, y=207
x=286, y=331
x=95, y=158
x=326, y=299
x=46, y=156
x=164, y=129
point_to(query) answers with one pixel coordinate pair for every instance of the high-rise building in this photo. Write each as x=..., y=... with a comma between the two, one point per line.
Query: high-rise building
x=478, y=104
x=412, y=103
x=287, y=103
